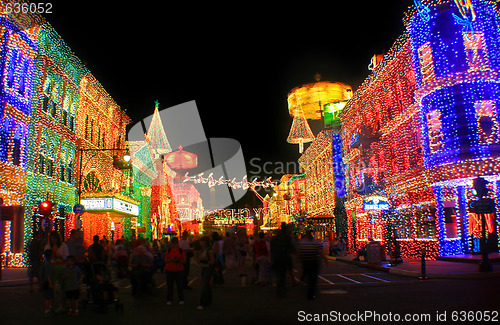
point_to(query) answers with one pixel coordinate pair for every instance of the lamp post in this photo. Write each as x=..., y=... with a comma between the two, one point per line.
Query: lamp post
x=126, y=158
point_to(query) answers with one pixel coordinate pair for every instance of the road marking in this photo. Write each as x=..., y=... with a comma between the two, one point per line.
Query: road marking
x=322, y=278
x=333, y=291
x=374, y=277
x=340, y=275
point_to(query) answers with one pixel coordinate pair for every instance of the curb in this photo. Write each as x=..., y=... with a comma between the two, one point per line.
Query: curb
x=414, y=274
x=14, y=283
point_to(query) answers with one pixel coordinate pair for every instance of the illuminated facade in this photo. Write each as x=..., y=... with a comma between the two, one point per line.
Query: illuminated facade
x=18, y=48
x=456, y=57
x=381, y=144
x=277, y=207
x=318, y=170
x=421, y=127
x=52, y=145
x=101, y=125
x=297, y=196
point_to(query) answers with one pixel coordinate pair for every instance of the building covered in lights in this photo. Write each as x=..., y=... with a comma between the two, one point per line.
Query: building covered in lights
x=106, y=191
x=320, y=183
x=421, y=127
x=456, y=56
x=52, y=137
x=18, y=48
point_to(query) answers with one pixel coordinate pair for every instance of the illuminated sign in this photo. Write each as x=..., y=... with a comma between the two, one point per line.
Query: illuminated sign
x=125, y=207
x=110, y=204
x=376, y=203
x=331, y=113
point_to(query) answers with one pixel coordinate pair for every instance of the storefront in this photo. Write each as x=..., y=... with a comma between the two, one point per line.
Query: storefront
x=108, y=216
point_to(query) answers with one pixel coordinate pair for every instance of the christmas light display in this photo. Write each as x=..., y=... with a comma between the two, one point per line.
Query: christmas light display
x=320, y=183
x=232, y=183
x=18, y=51
x=310, y=98
x=456, y=59
x=300, y=132
x=101, y=126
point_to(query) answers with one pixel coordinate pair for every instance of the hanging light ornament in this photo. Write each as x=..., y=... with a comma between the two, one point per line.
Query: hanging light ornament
x=300, y=132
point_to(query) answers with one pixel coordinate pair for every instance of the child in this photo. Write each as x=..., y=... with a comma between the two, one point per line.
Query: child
x=71, y=276
x=48, y=283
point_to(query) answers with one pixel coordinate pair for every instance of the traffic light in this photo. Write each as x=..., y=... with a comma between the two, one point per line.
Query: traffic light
x=480, y=187
x=46, y=208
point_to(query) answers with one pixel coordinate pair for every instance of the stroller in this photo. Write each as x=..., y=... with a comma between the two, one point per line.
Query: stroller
x=100, y=290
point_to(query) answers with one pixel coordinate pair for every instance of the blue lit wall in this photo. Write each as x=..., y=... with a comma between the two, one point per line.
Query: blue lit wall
x=16, y=87
x=457, y=59
x=338, y=165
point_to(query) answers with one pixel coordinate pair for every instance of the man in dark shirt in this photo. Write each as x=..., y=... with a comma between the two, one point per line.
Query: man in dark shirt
x=310, y=252
x=96, y=251
x=281, y=250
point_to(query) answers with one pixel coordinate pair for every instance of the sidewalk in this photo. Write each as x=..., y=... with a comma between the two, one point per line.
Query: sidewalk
x=435, y=269
x=14, y=276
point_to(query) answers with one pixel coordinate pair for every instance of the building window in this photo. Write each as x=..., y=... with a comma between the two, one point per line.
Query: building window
x=434, y=127
x=61, y=173
x=475, y=48
x=426, y=63
x=16, y=152
x=488, y=127
x=41, y=164
x=49, y=167
x=65, y=117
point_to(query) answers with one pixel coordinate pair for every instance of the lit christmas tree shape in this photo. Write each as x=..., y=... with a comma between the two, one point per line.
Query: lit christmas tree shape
x=300, y=132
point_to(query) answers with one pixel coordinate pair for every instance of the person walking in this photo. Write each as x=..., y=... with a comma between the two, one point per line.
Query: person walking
x=175, y=257
x=59, y=253
x=281, y=258
x=72, y=276
x=35, y=258
x=206, y=259
x=229, y=251
x=261, y=255
x=186, y=247
x=310, y=252
x=242, y=245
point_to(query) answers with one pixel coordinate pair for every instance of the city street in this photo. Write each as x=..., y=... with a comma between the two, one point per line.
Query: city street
x=343, y=288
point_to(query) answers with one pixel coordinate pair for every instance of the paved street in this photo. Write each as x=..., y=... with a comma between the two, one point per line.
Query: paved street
x=343, y=288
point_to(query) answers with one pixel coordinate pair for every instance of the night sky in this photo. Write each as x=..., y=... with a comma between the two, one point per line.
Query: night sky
x=237, y=61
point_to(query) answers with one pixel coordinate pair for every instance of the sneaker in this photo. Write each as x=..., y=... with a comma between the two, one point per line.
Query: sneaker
x=181, y=302
x=169, y=303
x=200, y=307
x=70, y=312
x=75, y=313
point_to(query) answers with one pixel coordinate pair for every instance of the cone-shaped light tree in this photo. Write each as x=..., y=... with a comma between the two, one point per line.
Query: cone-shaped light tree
x=300, y=132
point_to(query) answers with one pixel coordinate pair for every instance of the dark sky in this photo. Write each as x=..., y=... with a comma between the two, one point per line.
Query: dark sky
x=238, y=61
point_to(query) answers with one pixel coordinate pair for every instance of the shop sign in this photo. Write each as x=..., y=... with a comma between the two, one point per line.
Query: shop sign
x=376, y=203
x=109, y=204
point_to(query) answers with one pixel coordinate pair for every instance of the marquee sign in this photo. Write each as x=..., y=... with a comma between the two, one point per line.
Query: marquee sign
x=110, y=204
x=376, y=203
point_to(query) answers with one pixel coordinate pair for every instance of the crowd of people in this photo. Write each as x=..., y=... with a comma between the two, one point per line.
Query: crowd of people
x=62, y=266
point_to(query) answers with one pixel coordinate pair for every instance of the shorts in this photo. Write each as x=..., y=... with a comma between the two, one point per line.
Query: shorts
x=73, y=294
